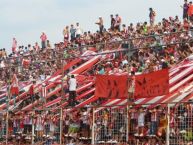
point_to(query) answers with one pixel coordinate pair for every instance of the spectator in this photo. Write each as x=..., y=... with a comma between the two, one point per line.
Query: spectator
x=78, y=30
x=43, y=38
x=36, y=47
x=124, y=31
x=185, y=9
x=118, y=23
x=190, y=11
x=14, y=45
x=72, y=90
x=49, y=45
x=72, y=33
x=4, y=53
x=141, y=122
x=101, y=26
x=2, y=64
x=30, y=48
x=112, y=22
x=66, y=33
x=154, y=122
x=152, y=15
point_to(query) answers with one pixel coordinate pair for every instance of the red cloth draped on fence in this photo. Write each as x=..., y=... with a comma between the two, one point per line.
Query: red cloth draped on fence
x=111, y=86
x=152, y=84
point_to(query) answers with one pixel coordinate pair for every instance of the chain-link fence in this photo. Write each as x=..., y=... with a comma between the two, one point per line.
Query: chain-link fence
x=138, y=124
x=33, y=127
x=2, y=126
x=110, y=126
x=181, y=124
x=145, y=124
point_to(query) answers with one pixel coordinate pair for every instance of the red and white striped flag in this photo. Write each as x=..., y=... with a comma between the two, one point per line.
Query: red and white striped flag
x=14, y=85
x=44, y=91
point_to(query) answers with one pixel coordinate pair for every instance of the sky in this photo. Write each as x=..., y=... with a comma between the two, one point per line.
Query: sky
x=26, y=19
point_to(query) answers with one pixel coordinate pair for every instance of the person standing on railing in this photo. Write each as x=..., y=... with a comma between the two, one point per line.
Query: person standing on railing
x=152, y=15
x=43, y=38
x=72, y=33
x=14, y=45
x=118, y=21
x=66, y=33
x=185, y=9
x=112, y=22
x=101, y=26
x=72, y=90
x=190, y=11
x=79, y=30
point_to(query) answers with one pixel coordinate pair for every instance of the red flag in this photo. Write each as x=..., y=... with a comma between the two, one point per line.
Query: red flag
x=14, y=85
x=25, y=63
x=152, y=84
x=31, y=90
x=111, y=86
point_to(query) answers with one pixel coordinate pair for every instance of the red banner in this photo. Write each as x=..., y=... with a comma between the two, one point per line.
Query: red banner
x=111, y=86
x=152, y=84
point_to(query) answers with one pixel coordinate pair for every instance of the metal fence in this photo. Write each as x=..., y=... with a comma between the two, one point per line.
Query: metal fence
x=181, y=124
x=110, y=126
x=34, y=127
x=163, y=124
x=2, y=126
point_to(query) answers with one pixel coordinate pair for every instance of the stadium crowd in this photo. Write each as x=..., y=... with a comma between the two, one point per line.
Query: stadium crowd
x=152, y=47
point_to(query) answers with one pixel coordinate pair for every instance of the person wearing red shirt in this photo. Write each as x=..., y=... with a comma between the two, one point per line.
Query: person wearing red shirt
x=43, y=38
x=186, y=24
x=190, y=11
x=14, y=45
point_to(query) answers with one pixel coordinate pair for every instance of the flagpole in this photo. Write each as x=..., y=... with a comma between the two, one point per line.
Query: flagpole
x=33, y=132
x=93, y=126
x=7, y=115
x=168, y=125
x=62, y=99
x=128, y=101
x=7, y=123
x=33, y=112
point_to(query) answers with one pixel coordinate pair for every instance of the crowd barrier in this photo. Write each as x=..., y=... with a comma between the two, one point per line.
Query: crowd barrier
x=167, y=124
x=163, y=124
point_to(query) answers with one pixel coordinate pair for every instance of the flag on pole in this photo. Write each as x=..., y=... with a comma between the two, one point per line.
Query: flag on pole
x=44, y=92
x=31, y=90
x=15, y=85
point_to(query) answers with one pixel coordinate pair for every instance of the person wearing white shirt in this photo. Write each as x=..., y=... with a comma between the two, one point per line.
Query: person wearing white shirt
x=141, y=121
x=72, y=90
x=78, y=30
x=71, y=142
x=2, y=64
x=125, y=62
